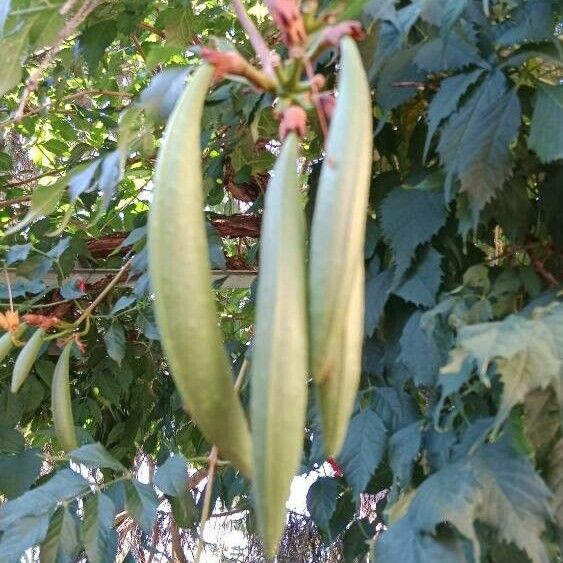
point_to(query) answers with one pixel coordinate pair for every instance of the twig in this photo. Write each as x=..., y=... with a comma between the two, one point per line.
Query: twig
x=86, y=313
x=206, y=500
x=14, y=201
x=33, y=179
x=33, y=81
x=70, y=97
x=320, y=113
x=257, y=41
x=152, y=29
x=213, y=456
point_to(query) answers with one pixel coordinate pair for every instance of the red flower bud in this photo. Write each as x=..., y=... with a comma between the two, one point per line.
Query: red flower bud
x=332, y=35
x=294, y=119
x=225, y=62
x=335, y=466
x=287, y=17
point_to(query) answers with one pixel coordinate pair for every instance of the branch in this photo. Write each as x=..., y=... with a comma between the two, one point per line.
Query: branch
x=33, y=81
x=87, y=312
x=257, y=41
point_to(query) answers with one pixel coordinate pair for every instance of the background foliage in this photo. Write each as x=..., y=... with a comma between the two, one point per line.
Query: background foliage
x=455, y=449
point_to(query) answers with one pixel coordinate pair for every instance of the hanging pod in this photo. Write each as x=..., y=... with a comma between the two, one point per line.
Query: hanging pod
x=337, y=247
x=181, y=280
x=26, y=358
x=279, y=362
x=7, y=343
x=61, y=404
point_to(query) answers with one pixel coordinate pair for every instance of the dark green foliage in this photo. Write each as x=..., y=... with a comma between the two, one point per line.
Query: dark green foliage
x=455, y=445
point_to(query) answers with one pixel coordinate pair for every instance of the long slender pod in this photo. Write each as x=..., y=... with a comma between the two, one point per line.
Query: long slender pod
x=337, y=242
x=181, y=279
x=337, y=394
x=61, y=404
x=26, y=358
x=7, y=342
x=279, y=360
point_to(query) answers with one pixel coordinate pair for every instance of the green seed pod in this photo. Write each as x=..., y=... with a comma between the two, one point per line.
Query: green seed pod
x=26, y=358
x=336, y=395
x=6, y=342
x=337, y=244
x=181, y=279
x=279, y=363
x=61, y=404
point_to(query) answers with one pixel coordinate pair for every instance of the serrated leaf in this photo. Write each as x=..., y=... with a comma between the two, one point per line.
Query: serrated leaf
x=419, y=352
x=70, y=289
x=18, y=472
x=532, y=21
x=95, y=455
x=380, y=9
x=44, y=201
x=163, y=91
x=141, y=503
x=546, y=133
x=420, y=286
x=410, y=218
x=61, y=543
x=440, y=55
x=98, y=534
x=321, y=501
x=171, y=477
x=402, y=542
x=474, y=143
x=527, y=353
x=404, y=446
x=114, y=340
x=495, y=486
x=396, y=409
x=82, y=179
x=445, y=102
x=363, y=449
x=399, y=69
x=377, y=294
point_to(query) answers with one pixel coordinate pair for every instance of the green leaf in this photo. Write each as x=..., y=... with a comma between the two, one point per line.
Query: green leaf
x=363, y=449
x=22, y=534
x=402, y=542
x=179, y=26
x=377, y=294
x=64, y=485
x=419, y=352
x=321, y=501
x=474, y=143
x=546, y=133
x=380, y=9
x=44, y=201
x=61, y=544
x=445, y=102
x=17, y=253
x=527, y=353
x=404, y=447
x=18, y=472
x=11, y=441
x=531, y=21
x=141, y=503
x=94, y=41
x=171, y=479
x=12, y=48
x=422, y=283
x=98, y=535
x=398, y=69
x=95, y=455
x=410, y=218
x=114, y=340
x=439, y=55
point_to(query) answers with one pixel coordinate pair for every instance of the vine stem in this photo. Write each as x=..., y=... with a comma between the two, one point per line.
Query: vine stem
x=86, y=313
x=256, y=39
x=213, y=460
